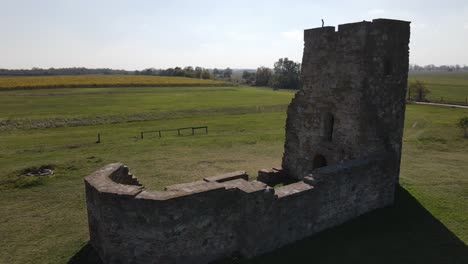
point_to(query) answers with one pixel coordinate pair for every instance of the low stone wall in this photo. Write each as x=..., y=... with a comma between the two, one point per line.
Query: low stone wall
x=224, y=215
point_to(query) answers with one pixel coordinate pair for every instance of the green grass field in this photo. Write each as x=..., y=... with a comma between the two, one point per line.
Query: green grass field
x=448, y=86
x=43, y=220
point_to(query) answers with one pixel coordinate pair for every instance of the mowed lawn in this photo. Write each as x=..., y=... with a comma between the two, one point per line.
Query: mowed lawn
x=43, y=220
x=445, y=86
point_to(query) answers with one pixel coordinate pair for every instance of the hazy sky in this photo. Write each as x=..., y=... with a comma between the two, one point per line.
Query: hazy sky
x=240, y=34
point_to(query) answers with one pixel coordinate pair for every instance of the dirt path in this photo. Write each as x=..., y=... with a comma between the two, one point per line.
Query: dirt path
x=437, y=104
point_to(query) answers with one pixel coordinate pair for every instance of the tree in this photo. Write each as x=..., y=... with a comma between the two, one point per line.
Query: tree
x=418, y=91
x=217, y=73
x=198, y=72
x=248, y=77
x=263, y=76
x=149, y=71
x=463, y=124
x=205, y=74
x=166, y=72
x=189, y=72
x=178, y=72
x=286, y=74
x=227, y=73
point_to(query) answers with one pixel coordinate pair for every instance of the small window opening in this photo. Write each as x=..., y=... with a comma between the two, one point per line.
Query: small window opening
x=319, y=161
x=328, y=126
x=388, y=67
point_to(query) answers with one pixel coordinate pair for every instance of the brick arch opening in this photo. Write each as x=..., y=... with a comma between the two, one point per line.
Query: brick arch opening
x=319, y=161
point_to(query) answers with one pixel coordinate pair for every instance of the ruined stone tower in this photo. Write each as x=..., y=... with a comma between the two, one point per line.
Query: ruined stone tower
x=351, y=104
x=341, y=160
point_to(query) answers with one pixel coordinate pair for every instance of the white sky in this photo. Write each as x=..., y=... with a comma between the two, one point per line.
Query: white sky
x=138, y=34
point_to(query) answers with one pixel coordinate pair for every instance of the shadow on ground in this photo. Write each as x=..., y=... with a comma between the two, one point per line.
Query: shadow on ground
x=403, y=233
x=87, y=255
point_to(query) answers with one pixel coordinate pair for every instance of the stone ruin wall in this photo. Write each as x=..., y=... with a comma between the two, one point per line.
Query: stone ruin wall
x=352, y=102
x=226, y=215
x=204, y=221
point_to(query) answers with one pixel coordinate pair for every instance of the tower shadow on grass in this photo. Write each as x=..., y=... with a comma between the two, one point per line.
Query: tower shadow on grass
x=403, y=233
x=86, y=255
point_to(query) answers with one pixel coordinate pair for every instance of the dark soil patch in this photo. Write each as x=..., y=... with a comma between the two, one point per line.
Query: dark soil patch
x=44, y=170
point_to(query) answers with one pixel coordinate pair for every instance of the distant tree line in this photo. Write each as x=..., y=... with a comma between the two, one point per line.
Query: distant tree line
x=286, y=74
x=434, y=68
x=189, y=71
x=62, y=71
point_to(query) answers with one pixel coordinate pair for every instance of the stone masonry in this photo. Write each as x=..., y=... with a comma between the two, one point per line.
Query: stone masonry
x=341, y=159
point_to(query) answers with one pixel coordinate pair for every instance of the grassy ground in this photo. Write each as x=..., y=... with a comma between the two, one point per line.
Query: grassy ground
x=445, y=86
x=12, y=83
x=92, y=102
x=43, y=220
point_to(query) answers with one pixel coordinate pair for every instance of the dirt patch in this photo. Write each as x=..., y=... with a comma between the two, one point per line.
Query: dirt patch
x=44, y=170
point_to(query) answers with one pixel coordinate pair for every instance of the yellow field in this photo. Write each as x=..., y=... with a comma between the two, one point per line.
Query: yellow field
x=7, y=83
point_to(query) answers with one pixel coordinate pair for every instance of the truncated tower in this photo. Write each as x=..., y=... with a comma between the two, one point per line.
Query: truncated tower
x=352, y=101
x=341, y=159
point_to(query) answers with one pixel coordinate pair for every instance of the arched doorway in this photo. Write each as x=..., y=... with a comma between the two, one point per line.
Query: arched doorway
x=319, y=161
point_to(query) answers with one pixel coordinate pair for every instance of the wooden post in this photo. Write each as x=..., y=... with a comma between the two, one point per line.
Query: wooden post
x=193, y=131
x=141, y=135
x=159, y=133
x=98, y=138
x=206, y=130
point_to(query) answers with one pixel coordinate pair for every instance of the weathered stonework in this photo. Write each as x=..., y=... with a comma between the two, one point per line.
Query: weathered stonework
x=351, y=105
x=341, y=159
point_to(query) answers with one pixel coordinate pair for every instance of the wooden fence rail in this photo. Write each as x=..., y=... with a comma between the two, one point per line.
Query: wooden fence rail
x=174, y=129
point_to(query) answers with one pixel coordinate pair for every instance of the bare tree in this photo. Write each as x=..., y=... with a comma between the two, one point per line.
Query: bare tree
x=463, y=124
x=417, y=90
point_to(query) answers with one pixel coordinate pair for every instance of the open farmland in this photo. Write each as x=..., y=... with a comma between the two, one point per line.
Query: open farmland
x=101, y=81
x=450, y=87
x=44, y=218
